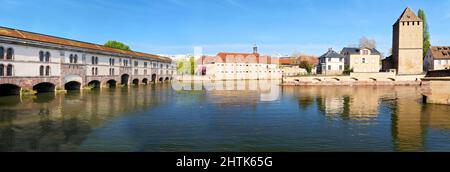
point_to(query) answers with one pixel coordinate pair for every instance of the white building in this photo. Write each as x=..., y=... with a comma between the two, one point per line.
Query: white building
x=331, y=63
x=437, y=58
x=239, y=66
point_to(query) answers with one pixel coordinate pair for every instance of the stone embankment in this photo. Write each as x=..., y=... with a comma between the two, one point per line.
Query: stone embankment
x=355, y=79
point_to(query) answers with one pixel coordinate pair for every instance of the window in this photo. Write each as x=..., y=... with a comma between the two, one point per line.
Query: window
x=145, y=64
x=41, y=56
x=9, y=70
x=340, y=67
x=113, y=71
x=161, y=66
x=136, y=63
x=329, y=59
x=2, y=53
x=136, y=72
x=71, y=58
x=9, y=54
x=365, y=52
x=2, y=70
x=113, y=62
x=75, y=59
x=47, y=56
x=145, y=71
x=93, y=60
x=93, y=71
x=363, y=60
x=167, y=66
x=41, y=71
x=329, y=67
x=340, y=59
x=47, y=71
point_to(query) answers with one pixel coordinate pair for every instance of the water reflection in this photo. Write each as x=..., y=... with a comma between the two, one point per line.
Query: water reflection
x=158, y=118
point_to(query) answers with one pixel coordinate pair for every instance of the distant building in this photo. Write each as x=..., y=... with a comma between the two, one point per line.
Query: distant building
x=331, y=63
x=407, y=47
x=239, y=66
x=289, y=68
x=437, y=58
x=362, y=59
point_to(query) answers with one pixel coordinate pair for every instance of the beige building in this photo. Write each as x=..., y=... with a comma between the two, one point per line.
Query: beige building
x=437, y=58
x=407, y=48
x=362, y=60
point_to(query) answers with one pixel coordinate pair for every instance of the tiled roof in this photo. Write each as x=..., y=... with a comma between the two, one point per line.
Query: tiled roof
x=440, y=52
x=237, y=58
x=331, y=54
x=352, y=50
x=408, y=15
x=14, y=33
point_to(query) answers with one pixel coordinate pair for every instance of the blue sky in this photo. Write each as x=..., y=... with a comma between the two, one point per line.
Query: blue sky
x=177, y=26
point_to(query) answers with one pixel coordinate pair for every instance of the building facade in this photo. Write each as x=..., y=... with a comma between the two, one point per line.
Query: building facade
x=331, y=63
x=362, y=59
x=44, y=63
x=407, y=48
x=239, y=66
x=437, y=58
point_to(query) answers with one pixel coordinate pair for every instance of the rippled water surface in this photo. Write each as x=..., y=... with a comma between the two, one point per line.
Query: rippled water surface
x=227, y=117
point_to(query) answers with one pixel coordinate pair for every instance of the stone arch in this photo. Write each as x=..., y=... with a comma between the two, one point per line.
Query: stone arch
x=153, y=77
x=161, y=79
x=145, y=81
x=167, y=79
x=96, y=84
x=70, y=78
x=9, y=90
x=136, y=81
x=72, y=85
x=44, y=87
x=336, y=79
x=124, y=79
x=111, y=83
x=355, y=79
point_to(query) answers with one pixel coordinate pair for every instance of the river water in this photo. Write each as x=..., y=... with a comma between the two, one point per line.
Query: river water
x=226, y=116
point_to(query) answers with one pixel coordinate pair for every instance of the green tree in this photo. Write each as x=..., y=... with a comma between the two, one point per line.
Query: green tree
x=307, y=66
x=117, y=45
x=180, y=65
x=347, y=70
x=426, y=33
x=192, y=65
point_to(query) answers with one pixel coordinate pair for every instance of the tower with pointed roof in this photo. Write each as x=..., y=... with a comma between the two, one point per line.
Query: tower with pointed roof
x=407, y=45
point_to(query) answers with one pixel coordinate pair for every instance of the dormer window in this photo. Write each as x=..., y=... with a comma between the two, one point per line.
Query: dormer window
x=365, y=52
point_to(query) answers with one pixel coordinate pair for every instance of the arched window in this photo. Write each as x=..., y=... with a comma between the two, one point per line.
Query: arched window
x=41, y=71
x=2, y=53
x=47, y=56
x=96, y=60
x=2, y=70
x=113, y=71
x=93, y=60
x=41, y=56
x=363, y=60
x=113, y=61
x=110, y=61
x=71, y=58
x=9, y=54
x=75, y=59
x=93, y=71
x=47, y=71
x=9, y=70
x=96, y=71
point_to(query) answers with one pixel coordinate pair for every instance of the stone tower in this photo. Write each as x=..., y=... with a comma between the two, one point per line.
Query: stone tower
x=407, y=45
x=255, y=49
